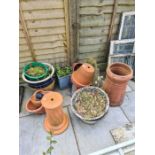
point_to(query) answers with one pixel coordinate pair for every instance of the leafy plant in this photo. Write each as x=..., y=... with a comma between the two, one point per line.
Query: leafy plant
x=51, y=142
x=35, y=71
x=63, y=71
x=98, y=80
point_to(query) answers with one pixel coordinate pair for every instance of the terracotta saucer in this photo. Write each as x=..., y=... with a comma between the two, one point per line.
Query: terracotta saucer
x=56, y=130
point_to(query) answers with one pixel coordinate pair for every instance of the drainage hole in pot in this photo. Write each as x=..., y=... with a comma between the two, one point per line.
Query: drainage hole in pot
x=88, y=66
x=52, y=99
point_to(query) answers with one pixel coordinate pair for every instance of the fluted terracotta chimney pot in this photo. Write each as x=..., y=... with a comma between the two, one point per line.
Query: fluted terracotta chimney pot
x=83, y=76
x=56, y=120
x=117, y=77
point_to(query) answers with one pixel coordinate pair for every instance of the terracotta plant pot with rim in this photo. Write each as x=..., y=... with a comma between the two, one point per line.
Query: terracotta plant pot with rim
x=56, y=120
x=30, y=108
x=76, y=66
x=34, y=106
x=117, y=77
x=83, y=76
x=37, y=103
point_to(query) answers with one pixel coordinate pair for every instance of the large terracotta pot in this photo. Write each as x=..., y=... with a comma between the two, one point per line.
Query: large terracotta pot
x=117, y=77
x=56, y=120
x=83, y=76
x=76, y=66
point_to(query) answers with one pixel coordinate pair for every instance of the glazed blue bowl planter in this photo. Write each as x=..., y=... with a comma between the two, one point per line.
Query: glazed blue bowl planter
x=64, y=82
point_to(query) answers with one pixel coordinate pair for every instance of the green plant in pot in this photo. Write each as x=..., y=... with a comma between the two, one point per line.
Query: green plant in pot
x=63, y=75
x=35, y=71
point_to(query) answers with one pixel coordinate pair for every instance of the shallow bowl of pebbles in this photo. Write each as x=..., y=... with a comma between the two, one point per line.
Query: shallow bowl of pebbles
x=89, y=104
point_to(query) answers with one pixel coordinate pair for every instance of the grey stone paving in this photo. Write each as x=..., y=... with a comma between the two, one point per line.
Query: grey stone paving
x=94, y=137
x=79, y=138
x=128, y=106
x=33, y=138
x=27, y=94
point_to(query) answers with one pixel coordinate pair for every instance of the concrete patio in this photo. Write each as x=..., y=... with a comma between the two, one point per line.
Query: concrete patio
x=79, y=138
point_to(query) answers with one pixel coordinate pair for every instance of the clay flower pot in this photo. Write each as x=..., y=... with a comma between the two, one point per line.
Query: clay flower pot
x=32, y=109
x=83, y=76
x=56, y=120
x=36, y=102
x=76, y=66
x=33, y=105
x=117, y=77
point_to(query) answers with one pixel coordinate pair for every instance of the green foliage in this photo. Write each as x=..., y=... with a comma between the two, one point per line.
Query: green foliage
x=97, y=80
x=35, y=71
x=63, y=71
x=51, y=142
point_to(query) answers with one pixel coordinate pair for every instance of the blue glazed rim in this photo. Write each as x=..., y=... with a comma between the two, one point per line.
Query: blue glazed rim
x=42, y=83
x=45, y=84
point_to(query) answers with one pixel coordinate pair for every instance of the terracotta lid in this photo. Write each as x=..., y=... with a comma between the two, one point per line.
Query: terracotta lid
x=52, y=100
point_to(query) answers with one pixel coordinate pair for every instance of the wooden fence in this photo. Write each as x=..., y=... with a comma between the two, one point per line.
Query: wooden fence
x=63, y=31
x=97, y=22
x=43, y=31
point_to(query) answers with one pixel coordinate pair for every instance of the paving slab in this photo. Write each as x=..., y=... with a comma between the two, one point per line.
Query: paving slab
x=128, y=88
x=27, y=95
x=128, y=106
x=95, y=137
x=66, y=93
x=33, y=138
x=123, y=133
x=131, y=84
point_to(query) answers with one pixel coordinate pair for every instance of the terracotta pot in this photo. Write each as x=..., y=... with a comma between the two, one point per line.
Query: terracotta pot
x=32, y=109
x=117, y=77
x=36, y=103
x=76, y=66
x=83, y=76
x=56, y=120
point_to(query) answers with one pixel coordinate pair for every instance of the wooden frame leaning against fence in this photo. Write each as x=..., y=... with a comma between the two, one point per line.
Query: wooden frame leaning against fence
x=124, y=42
x=131, y=30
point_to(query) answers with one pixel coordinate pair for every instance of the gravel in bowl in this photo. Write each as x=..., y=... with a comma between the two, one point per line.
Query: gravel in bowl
x=89, y=103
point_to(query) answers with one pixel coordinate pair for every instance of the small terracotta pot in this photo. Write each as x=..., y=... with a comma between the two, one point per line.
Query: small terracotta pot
x=56, y=120
x=32, y=109
x=83, y=76
x=36, y=103
x=117, y=77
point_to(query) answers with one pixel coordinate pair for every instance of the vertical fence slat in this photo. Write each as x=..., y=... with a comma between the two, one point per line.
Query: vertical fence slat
x=26, y=33
x=67, y=29
x=113, y=19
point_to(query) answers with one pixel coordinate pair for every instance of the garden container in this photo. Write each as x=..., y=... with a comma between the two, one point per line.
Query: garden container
x=47, y=83
x=75, y=98
x=117, y=77
x=64, y=82
x=76, y=66
x=56, y=121
x=83, y=76
x=44, y=85
x=35, y=64
x=36, y=102
x=32, y=109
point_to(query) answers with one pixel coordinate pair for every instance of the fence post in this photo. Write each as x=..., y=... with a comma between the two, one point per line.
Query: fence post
x=26, y=33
